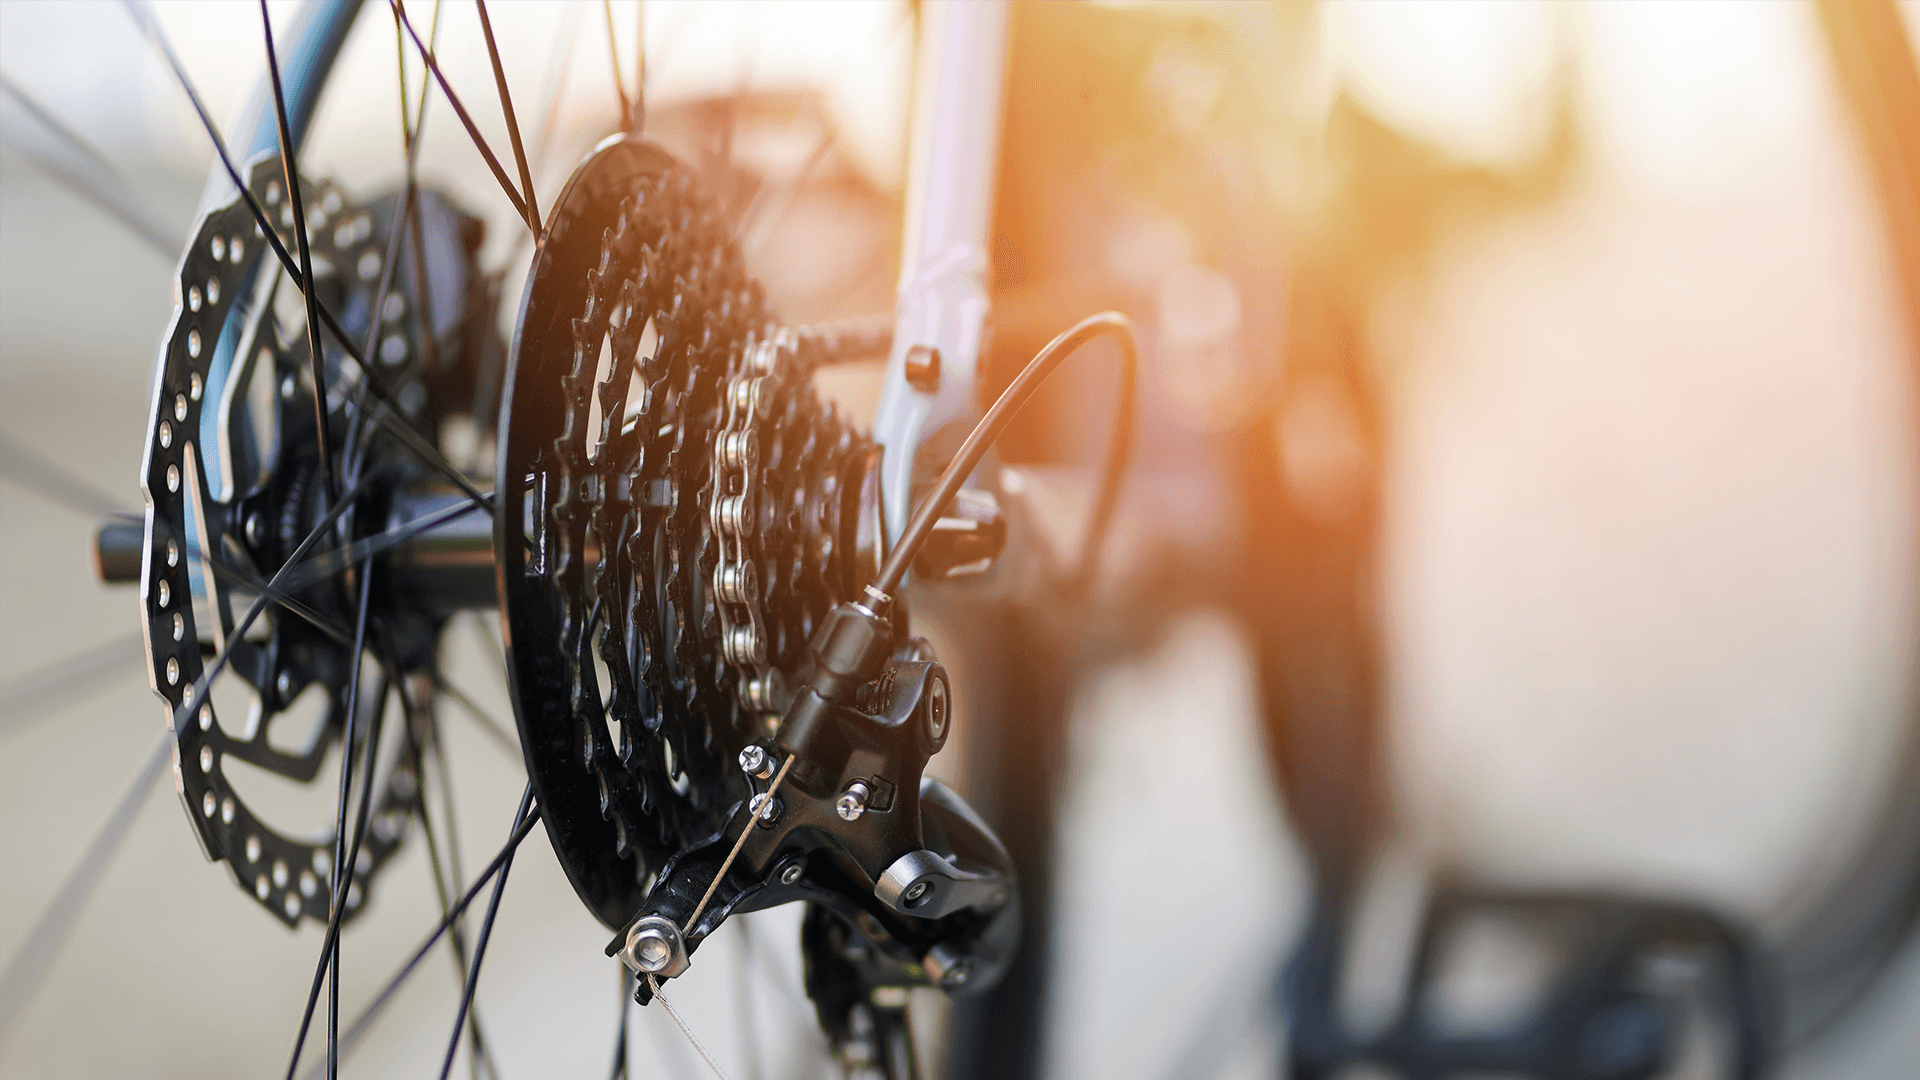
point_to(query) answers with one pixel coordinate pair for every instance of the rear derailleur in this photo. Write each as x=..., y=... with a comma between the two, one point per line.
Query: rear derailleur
x=906, y=885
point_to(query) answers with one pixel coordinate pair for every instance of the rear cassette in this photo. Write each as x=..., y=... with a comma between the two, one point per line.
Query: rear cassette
x=678, y=515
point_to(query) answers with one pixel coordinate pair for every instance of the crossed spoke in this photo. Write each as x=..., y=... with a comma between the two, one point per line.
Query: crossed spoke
x=345, y=480
x=619, y=83
x=345, y=854
x=480, y=947
x=382, y=416
x=520, y=205
x=523, y=825
x=316, y=356
x=513, y=125
x=456, y=935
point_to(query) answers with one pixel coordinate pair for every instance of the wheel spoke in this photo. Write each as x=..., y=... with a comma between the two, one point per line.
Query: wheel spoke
x=56, y=923
x=99, y=183
x=488, y=724
x=316, y=358
x=782, y=196
x=480, y=946
x=372, y=1012
x=26, y=698
x=337, y=560
x=557, y=65
x=620, y=1040
x=234, y=575
x=513, y=125
x=619, y=84
x=383, y=416
x=460, y=110
x=442, y=884
x=408, y=222
x=342, y=858
x=25, y=466
x=198, y=691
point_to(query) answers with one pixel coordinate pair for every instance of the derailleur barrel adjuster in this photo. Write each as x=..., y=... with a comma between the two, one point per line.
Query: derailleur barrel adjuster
x=848, y=651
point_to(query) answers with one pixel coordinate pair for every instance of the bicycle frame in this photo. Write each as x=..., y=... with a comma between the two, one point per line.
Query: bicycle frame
x=942, y=303
x=942, y=300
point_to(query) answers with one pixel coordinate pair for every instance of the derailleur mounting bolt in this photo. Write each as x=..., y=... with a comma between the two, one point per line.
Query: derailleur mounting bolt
x=753, y=761
x=652, y=950
x=853, y=801
x=654, y=947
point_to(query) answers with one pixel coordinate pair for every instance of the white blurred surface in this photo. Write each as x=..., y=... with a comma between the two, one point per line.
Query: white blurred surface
x=1650, y=566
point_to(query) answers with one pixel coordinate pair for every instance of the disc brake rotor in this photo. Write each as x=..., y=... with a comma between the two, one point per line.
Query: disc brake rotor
x=233, y=485
x=675, y=519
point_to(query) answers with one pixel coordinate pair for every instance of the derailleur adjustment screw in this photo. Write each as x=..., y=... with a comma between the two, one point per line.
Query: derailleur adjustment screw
x=753, y=761
x=853, y=801
x=768, y=811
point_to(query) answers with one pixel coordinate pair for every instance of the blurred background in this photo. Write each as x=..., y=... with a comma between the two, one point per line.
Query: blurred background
x=1524, y=507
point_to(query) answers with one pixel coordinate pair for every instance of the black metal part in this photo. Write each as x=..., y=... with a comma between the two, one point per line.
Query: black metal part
x=915, y=876
x=627, y=684
x=676, y=530
x=442, y=569
x=233, y=480
x=966, y=540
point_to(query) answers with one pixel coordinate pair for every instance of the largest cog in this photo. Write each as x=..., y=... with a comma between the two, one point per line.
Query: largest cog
x=678, y=513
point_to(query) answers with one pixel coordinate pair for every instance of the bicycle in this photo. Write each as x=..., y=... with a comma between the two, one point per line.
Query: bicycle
x=745, y=613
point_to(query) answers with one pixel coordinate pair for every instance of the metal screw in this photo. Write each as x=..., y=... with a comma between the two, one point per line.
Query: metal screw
x=767, y=810
x=651, y=950
x=284, y=684
x=753, y=761
x=853, y=801
x=937, y=709
x=915, y=891
x=923, y=368
x=256, y=528
x=792, y=873
x=957, y=974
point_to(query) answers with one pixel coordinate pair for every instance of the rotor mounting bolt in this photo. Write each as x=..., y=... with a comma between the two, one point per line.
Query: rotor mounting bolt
x=923, y=368
x=853, y=801
x=753, y=761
